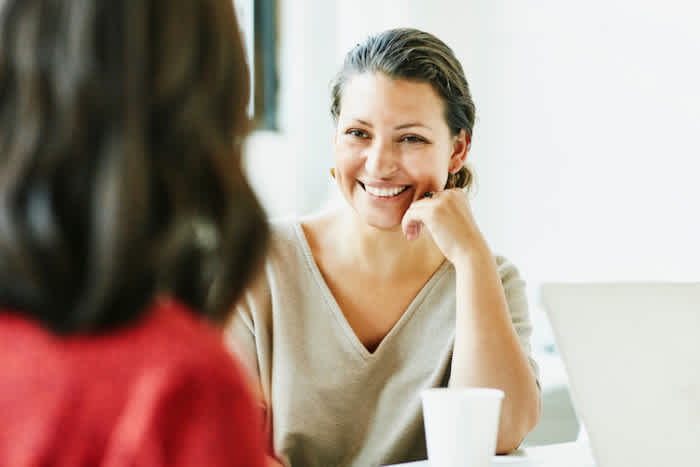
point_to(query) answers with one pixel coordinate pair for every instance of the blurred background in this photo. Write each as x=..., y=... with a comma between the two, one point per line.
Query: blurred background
x=586, y=147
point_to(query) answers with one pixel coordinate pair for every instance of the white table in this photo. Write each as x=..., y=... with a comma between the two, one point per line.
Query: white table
x=575, y=454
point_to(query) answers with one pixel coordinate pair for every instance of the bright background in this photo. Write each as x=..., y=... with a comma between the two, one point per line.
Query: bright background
x=586, y=147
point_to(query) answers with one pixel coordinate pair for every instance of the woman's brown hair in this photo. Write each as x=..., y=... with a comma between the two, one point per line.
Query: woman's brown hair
x=414, y=55
x=121, y=124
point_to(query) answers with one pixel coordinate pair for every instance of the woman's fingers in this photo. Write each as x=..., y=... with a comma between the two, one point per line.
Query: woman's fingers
x=415, y=217
x=447, y=216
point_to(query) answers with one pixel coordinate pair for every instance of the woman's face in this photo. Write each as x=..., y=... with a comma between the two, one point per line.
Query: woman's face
x=392, y=144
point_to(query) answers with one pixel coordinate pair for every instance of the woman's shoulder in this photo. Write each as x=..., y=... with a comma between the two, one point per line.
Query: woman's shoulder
x=186, y=350
x=283, y=225
x=189, y=378
x=286, y=241
x=299, y=233
x=170, y=344
x=317, y=221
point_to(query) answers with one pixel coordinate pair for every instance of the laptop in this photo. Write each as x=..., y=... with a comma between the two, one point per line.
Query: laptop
x=632, y=352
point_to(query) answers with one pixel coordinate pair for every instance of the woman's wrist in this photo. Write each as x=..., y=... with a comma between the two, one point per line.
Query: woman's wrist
x=473, y=257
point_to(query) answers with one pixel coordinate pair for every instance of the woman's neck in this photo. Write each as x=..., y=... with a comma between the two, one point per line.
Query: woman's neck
x=381, y=253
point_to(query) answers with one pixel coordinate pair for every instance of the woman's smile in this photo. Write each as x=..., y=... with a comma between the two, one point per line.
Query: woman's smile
x=385, y=193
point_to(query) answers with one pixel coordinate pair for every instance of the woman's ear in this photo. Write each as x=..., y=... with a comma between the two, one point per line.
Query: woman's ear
x=460, y=148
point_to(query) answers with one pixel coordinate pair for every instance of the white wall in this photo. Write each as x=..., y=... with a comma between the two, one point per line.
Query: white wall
x=586, y=144
x=600, y=123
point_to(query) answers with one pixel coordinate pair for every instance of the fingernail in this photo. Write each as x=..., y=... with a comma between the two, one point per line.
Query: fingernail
x=413, y=230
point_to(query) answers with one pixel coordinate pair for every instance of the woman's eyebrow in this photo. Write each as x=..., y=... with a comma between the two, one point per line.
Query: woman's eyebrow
x=362, y=122
x=412, y=124
x=399, y=127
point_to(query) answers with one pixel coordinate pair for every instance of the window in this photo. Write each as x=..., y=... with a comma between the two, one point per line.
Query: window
x=258, y=21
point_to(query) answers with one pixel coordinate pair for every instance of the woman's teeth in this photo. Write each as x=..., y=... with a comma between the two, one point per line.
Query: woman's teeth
x=385, y=192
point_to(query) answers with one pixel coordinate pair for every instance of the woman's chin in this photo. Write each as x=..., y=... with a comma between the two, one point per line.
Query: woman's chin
x=387, y=220
x=384, y=223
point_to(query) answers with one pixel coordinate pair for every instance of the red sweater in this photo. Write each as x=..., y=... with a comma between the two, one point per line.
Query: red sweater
x=164, y=392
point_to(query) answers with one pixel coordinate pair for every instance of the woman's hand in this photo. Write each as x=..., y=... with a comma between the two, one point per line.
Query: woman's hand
x=448, y=217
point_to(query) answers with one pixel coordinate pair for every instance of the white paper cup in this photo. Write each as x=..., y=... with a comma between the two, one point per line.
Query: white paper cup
x=461, y=425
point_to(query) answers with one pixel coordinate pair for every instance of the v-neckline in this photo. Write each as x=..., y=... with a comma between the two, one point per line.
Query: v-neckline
x=338, y=314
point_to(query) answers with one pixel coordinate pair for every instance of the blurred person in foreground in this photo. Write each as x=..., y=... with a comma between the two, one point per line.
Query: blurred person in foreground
x=123, y=208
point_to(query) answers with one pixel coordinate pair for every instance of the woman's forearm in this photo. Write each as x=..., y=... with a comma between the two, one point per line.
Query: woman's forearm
x=487, y=352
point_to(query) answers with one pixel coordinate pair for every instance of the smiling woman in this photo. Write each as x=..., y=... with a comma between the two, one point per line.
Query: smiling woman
x=362, y=307
x=441, y=71
x=389, y=149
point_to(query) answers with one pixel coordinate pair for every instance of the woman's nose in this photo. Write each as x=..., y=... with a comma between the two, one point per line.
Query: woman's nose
x=380, y=160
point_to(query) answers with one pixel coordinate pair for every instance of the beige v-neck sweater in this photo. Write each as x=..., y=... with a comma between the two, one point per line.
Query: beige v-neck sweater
x=332, y=402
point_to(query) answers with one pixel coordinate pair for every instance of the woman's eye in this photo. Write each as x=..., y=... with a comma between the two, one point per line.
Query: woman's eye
x=357, y=133
x=412, y=139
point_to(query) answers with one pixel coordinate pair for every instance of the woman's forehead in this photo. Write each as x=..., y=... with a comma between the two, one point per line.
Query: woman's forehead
x=375, y=98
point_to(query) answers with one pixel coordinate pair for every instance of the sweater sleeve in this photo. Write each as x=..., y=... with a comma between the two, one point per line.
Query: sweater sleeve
x=247, y=337
x=516, y=297
x=188, y=416
x=240, y=336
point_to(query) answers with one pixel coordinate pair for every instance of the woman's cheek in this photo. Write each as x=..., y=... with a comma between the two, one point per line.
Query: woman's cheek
x=347, y=161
